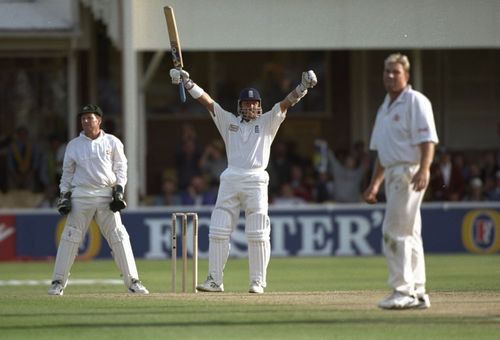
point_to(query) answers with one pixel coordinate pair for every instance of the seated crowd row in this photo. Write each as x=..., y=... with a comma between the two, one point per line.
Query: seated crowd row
x=332, y=176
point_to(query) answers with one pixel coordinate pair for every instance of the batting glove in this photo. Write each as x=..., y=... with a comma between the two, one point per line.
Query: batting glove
x=309, y=79
x=178, y=76
x=64, y=203
x=118, y=203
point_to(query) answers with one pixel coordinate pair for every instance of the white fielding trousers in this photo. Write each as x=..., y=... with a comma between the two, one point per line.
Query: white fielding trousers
x=402, y=239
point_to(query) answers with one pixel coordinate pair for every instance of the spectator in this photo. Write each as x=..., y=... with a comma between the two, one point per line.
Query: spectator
x=169, y=195
x=52, y=161
x=363, y=158
x=196, y=193
x=50, y=196
x=474, y=170
x=286, y=197
x=279, y=167
x=347, y=178
x=299, y=184
x=494, y=193
x=447, y=182
x=22, y=161
x=213, y=162
x=4, y=146
x=459, y=163
x=323, y=188
x=489, y=167
x=475, y=192
x=187, y=163
x=187, y=156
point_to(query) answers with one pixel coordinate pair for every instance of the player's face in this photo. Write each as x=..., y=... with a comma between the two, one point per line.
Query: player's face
x=91, y=124
x=395, y=78
x=251, y=108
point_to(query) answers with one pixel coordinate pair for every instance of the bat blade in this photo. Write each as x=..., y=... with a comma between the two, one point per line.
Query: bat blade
x=175, y=45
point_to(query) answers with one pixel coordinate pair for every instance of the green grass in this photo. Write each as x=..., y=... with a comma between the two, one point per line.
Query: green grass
x=307, y=298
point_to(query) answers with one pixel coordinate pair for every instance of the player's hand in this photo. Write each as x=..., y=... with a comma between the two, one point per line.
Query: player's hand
x=421, y=180
x=370, y=195
x=178, y=76
x=64, y=203
x=309, y=79
x=118, y=203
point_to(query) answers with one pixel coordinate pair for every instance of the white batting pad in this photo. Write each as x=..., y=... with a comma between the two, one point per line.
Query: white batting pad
x=218, y=252
x=66, y=254
x=259, y=246
x=220, y=224
x=123, y=255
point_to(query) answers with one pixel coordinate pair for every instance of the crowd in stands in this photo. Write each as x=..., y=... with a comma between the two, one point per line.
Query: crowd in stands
x=336, y=176
x=330, y=175
x=30, y=170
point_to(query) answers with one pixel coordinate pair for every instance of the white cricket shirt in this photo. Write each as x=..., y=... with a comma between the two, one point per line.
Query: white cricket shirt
x=92, y=167
x=401, y=127
x=248, y=144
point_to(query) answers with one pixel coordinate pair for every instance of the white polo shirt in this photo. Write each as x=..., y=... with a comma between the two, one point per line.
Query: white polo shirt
x=248, y=144
x=401, y=127
x=93, y=166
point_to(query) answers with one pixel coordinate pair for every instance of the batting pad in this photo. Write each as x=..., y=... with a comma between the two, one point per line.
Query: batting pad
x=123, y=255
x=220, y=224
x=66, y=254
x=258, y=230
x=218, y=252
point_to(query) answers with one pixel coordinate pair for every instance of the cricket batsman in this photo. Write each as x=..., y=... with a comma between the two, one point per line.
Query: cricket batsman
x=247, y=134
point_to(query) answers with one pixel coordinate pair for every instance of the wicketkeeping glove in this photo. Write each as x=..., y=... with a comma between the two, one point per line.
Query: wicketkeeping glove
x=64, y=203
x=118, y=203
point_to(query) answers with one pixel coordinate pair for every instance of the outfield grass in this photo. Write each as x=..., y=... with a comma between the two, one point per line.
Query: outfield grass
x=307, y=298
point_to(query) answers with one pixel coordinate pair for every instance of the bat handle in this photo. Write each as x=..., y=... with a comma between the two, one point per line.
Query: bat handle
x=182, y=93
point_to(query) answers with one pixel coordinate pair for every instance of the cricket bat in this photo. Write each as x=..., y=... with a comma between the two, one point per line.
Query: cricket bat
x=175, y=45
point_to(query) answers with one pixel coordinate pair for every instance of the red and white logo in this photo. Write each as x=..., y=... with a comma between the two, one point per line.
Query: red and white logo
x=7, y=238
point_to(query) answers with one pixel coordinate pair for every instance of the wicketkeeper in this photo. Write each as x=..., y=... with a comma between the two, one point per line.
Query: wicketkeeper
x=248, y=135
x=92, y=187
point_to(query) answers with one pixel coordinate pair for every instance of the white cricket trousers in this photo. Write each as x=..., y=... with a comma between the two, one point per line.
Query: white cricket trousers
x=402, y=239
x=247, y=190
x=110, y=224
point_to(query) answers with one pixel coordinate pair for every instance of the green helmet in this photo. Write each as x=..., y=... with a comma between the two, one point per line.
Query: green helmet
x=90, y=108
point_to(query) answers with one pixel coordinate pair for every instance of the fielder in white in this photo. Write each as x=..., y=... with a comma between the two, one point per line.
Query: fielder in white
x=92, y=186
x=404, y=137
x=248, y=136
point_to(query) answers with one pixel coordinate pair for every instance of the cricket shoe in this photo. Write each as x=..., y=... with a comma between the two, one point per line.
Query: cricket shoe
x=137, y=287
x=423, y=302
x=210, y=286
x=56, y=288
x=256, y=288
x=398, y=300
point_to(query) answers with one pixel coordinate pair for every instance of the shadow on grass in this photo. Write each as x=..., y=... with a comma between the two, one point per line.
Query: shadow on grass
x=389, y=320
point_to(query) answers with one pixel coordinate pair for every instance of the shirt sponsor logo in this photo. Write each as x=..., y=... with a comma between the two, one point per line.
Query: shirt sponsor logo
x=233, y=128
x=257, y=129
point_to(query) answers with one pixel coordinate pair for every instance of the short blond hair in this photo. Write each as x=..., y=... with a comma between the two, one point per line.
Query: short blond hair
x=398, y=58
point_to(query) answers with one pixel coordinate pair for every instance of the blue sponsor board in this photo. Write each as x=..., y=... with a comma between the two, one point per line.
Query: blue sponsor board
x=320, y=230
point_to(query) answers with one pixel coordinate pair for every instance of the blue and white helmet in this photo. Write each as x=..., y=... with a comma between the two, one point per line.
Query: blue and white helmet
x=248, y=94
